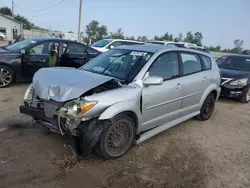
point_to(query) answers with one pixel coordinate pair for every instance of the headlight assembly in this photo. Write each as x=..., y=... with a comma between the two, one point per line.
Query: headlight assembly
x=239, y=82
x=76, y=108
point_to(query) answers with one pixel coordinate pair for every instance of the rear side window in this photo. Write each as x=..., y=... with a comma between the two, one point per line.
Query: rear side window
x=207, y=63
x=75, y=48
x=191, y=63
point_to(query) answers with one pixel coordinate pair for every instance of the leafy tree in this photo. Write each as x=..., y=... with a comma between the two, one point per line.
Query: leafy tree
x=168, y=37
x=96, y=32
x=238, y=45
x=92, y=29
x=142, y=38
x=26, y=23
x=6, y=11
x=157, y=38
x=117, y=35
x=102, y=32
x=195, y=38
x=130, y=38
x=198, y=38
x=189, y=37
x=214, y=48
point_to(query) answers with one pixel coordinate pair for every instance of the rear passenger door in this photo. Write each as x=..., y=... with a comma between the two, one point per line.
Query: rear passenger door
x=194, y=81
x=73, y=55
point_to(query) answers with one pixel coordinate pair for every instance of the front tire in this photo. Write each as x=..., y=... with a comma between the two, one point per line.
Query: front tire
x=1, y=38
x=116, y=138
x=207, y=108
x=245, y=98
x=6, y=76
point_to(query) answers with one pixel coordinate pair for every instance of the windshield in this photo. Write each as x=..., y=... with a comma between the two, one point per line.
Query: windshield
x=118, y=63
x=237, y=63
x=16, y=47
x=101, y=43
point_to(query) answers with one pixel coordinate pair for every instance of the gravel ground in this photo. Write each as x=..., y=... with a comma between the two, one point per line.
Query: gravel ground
x=215, y=153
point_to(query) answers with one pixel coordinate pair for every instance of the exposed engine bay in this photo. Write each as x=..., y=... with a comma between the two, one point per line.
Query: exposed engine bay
x=112, y=84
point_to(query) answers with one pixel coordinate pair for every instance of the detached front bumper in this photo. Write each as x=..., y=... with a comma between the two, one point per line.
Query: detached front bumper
x=40, y=117
x=82, y=139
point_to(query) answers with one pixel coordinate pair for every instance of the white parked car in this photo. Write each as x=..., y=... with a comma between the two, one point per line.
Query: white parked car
x=106, y=44
x=2, y=36
x=180, y=44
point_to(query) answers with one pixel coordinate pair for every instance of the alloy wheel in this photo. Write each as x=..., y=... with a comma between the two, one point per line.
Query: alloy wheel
x=5, y=77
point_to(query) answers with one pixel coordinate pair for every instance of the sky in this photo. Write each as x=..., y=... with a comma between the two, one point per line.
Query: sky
x=220, y=21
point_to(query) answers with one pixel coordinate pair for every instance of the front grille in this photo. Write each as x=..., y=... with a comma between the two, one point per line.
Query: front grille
x=50, y=107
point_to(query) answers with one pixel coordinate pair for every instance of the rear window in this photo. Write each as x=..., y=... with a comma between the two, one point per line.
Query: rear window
x=207, y=63
x=237, y=63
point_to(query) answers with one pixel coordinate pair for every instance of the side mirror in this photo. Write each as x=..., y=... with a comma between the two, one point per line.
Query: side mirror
x=111, y=46
x=23, y=51
x=153, y=80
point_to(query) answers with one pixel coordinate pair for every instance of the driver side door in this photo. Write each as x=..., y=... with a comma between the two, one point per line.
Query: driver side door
x=162, y=103
x=35, y=58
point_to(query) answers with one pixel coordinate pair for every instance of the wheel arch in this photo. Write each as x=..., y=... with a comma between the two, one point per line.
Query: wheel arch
x=127, y=108
x=10, y=67
x=214, y=89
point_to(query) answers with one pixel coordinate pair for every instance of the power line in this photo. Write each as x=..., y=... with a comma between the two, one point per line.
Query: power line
x=60, y=2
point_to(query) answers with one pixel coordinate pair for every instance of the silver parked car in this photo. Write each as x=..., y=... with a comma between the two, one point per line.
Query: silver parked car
x=127, y=94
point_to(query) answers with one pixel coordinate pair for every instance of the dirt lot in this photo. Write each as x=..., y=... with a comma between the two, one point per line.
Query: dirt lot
x=215, y=153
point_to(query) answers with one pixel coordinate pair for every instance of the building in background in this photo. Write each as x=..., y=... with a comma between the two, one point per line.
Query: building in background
x=10, y=27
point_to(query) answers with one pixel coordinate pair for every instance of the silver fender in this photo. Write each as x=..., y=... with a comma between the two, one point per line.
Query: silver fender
x=209, y=90
x=120, y=107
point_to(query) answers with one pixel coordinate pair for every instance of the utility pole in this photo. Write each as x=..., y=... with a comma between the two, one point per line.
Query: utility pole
x=79, y=21
x=12, y=8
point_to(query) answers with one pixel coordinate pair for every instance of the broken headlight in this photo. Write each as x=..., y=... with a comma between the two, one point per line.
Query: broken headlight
x=76, y=108
x=28, y=96
x=239, y=82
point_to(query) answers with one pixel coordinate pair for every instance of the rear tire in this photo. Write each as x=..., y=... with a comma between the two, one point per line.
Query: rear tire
x=207, y=108
x=245, y=98
x=6, y=76
x=116, y=138
x=1, y=38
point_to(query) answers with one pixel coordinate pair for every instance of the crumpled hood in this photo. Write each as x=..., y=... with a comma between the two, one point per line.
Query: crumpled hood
x=63, y=84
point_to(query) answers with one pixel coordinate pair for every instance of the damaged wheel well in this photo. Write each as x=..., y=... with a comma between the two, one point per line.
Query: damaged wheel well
x=133, y=116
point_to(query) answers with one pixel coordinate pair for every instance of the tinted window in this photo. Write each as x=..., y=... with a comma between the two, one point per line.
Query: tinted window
x=101, y=43
x=191, y=63
x=206, y=62
x=130, y=43
x=116, y=43
x=238, y=63
x=20, y=45
x=165, y=66
x=75, y=48
x=40, y=49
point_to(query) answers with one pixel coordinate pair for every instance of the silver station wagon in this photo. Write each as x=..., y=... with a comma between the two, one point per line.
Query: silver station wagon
x=123, y=96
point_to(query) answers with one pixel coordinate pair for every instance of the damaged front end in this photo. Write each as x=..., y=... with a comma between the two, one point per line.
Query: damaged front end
x=70, y=118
